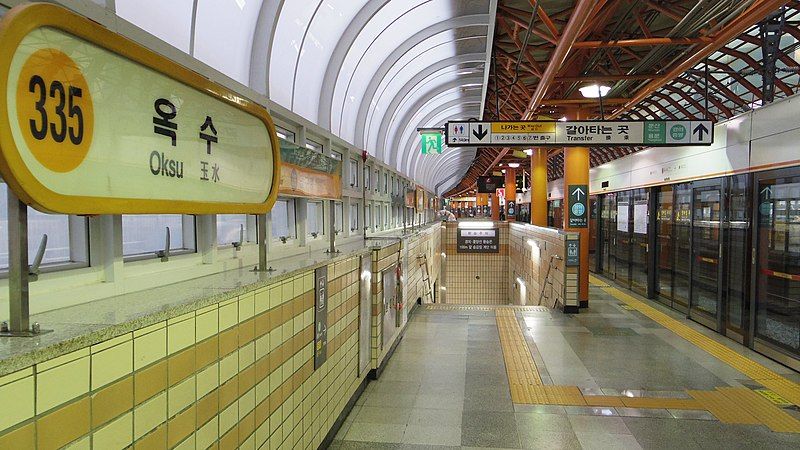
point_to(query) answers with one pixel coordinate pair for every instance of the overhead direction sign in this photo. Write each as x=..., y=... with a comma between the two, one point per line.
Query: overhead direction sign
x=93, y=123
x=653, y=133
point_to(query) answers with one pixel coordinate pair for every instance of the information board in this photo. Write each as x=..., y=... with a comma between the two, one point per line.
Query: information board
x=97, y=124
x=577, y=203
x=573, y=252
x=653, y=133
x=622, y=217
x=320, y=316
x=640, y=218
x=478, y=241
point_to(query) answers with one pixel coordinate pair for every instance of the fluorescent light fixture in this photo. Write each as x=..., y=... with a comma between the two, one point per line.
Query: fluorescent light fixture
x=476, y=225
x=594, y=91
x=529, y=151
x=513, y=165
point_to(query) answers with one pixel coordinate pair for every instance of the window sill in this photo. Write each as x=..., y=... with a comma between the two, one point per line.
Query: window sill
x=152, y=255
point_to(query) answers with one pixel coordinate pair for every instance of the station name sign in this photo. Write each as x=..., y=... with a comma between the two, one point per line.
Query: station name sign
x=93, y=123
x=598, y=133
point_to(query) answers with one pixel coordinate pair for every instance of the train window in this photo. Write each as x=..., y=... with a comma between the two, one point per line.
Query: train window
x=354, y=216
x=285, y=134
x=283, y=220
x=232, y=228
x=353, y=173
x=314, y=218
x=314, y=145
x=67, y=236
x=338, y=215
x=144, y=235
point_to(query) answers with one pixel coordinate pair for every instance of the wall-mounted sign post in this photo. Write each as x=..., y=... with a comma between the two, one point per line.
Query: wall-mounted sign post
x=652, y=133
x=320, y=316
x=577, y=202
x=93, y=123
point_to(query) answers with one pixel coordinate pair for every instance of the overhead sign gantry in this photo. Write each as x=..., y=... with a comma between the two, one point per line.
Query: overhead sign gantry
x=597, y=133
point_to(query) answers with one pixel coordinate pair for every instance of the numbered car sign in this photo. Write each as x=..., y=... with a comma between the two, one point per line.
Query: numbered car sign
x=93, y=123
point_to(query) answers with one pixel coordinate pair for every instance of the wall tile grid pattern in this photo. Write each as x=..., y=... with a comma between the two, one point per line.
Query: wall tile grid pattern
x=477, y=278
x=530, y=251
x=427, y=242
x=237, y=374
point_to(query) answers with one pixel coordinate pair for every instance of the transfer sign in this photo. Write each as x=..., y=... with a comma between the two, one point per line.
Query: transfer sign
x=651, y=133
x=96, y=124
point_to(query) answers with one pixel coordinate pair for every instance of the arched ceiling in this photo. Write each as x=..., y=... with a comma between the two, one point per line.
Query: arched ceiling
x=370, y=71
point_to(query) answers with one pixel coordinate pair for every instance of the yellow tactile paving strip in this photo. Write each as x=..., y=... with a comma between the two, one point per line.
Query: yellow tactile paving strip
x=757, y=372
x=729, y=405
x=520, y=368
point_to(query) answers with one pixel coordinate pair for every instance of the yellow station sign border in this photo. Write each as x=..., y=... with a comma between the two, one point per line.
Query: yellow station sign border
x=22, y=20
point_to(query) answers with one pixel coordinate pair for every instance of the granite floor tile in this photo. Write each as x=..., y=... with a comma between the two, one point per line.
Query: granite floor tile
x=533, y=423
x=381, y=414
x=598, y=424
x=607, y=441
x=555, y=440
x=375, y=432
x=489, y=429
x=432, y=435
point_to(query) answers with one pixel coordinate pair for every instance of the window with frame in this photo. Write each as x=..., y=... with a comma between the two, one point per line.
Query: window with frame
x=315, y=219
x=377, y=180
x=368, y=217
x=385, y=183
x=338, y=216
x=283, y=219
x=146, y=234
x=367, y=172
x=314, y=145
x=285, y=134
x=336, y=155
x=353, y=173
x=234, y=228
x=386, y=216
x=354, y=216
x=378, y=217
x=67, y=236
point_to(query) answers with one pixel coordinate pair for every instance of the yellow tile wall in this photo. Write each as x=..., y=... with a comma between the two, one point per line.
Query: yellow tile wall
x=476, y=278
x=238, y=374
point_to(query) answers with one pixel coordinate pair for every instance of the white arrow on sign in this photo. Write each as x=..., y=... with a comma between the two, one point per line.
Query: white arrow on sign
x=578, y=192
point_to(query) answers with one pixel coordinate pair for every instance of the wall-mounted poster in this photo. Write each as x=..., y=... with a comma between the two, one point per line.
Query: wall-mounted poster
x=622, y=217
x=640, y=218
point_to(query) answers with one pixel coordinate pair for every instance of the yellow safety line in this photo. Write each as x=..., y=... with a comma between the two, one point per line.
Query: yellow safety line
x=761, y=409
x=723, y=408
x=520, y=367
x=757, y=372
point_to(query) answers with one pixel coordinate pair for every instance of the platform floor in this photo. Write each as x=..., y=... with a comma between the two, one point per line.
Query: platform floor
x=609, y=377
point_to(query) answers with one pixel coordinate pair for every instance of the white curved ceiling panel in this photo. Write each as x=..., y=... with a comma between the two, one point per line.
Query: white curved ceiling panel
x=223, y=36
x=169, y=21
x=329, y=23
x=290, y=30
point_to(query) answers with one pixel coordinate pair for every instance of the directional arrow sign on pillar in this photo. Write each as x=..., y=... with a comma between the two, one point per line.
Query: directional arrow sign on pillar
x=578, y=209
x=702, y=132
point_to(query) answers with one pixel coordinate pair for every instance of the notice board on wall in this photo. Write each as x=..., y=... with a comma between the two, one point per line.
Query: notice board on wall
x=622, y=217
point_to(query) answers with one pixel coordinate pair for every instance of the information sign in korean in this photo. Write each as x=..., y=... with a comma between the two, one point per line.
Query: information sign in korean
x=577, y=203
x=478, y=241
x=580, y=133
x=94, y=123
x=320, y=316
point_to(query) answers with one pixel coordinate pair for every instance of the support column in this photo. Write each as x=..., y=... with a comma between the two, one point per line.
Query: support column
x=511, y=192
x=480, y=201
x=539, y=187
x=576, y=173
x=495, y=206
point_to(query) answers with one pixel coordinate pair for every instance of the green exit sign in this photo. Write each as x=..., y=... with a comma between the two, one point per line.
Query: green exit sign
x=431, y=143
